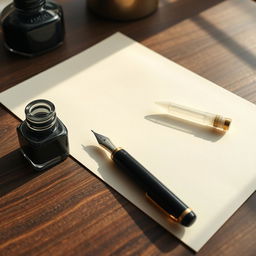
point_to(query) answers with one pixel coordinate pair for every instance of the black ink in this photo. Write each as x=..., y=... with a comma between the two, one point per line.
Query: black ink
x=43, y=137
x=32, y=27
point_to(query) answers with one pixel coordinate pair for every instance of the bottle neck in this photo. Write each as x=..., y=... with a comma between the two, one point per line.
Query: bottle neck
x=29, y=5
x=40, y=116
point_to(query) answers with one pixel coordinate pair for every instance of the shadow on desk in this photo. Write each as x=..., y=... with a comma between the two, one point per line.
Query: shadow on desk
x=15, y=172
x=230, y=44
x=157, y=235
x=163, y=240
x=168, y=14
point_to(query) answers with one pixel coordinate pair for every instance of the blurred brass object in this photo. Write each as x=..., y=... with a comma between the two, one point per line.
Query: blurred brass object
x=123, y=9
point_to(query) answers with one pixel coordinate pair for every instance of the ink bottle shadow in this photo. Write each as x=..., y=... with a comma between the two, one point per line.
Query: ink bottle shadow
x=32, y=27
x=42, y=136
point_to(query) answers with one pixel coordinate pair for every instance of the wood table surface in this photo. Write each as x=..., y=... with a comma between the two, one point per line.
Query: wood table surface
x=67, y=210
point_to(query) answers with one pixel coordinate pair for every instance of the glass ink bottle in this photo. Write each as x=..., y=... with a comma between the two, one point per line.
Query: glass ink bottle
x=42, y=136
x=32, y=27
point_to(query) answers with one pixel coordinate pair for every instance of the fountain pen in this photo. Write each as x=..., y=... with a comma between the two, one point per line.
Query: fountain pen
x=154, y=190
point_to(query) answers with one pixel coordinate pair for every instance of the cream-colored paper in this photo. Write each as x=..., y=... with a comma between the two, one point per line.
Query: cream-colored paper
x=111, y=88
x=4, y=3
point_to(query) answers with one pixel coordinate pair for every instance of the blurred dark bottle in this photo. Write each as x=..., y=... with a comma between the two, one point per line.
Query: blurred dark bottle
x=123, y=9
x=32, y=27
x=43, y=137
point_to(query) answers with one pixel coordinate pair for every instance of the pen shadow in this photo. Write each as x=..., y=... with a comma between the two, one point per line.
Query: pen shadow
x=200, y=131
x=156, y=234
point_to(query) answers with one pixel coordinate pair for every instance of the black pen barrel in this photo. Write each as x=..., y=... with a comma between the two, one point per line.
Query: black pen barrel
x=157, y=191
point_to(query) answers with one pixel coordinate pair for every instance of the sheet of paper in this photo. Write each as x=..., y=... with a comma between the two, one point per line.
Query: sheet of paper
x=111, y=88
x=4, y=3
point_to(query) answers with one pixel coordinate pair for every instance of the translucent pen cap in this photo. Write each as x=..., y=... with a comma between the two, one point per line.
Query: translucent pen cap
x=196, y=116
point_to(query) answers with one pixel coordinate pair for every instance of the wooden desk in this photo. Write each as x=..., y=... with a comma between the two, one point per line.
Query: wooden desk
x=67, y=210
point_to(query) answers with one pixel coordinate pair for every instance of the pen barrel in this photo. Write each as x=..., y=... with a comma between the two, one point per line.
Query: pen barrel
x=197, y=116
x=157, y=191
x=192, y=115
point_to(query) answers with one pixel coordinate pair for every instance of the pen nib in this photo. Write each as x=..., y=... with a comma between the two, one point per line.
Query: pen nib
x=104, y=142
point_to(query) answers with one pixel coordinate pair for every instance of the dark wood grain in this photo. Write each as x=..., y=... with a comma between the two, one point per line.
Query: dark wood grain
x=67, y=210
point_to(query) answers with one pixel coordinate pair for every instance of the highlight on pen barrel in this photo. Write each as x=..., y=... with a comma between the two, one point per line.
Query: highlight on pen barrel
x=177, y=211
x=155, y=190
x=197, y=116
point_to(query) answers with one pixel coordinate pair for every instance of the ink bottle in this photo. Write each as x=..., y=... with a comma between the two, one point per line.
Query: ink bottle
x=32, y=27
x=123, y=9
x=42, y=136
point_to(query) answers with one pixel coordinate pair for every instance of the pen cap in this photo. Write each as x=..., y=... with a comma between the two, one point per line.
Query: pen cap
x=188, y=219
x=154, y=189
x=222, y=122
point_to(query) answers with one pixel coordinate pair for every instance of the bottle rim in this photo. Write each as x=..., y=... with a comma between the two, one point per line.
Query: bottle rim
x=40, y=114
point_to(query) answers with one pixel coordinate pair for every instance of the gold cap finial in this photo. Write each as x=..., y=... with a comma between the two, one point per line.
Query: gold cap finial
x=222, y=123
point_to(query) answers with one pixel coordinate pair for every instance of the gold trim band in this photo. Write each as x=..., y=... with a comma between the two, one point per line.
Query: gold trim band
x=222, y=122
x=114, y=152
x=181, y=217
x=160, y=208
